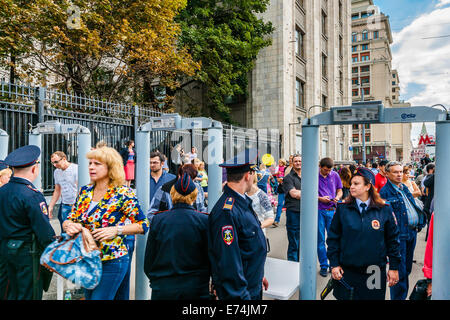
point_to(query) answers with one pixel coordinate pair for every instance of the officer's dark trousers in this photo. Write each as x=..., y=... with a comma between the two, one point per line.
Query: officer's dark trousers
x=3, y=279
x=181, y=288
x=400, y=290
x=19, y=270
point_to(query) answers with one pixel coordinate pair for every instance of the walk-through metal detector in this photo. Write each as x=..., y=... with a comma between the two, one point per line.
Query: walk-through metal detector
x=4, y=140
x=362, y=113
x=215, y=154
x=83, y=145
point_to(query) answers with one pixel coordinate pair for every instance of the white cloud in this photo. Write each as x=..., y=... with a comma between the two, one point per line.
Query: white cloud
x=421, y=54
x=442, y=3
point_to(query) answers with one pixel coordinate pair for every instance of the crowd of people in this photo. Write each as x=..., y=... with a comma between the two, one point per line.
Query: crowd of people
x=367, y=216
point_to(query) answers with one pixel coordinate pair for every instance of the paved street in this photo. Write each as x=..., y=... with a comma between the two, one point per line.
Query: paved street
x=278, y=244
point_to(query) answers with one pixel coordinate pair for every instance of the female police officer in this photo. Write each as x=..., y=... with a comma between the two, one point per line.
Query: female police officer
x=176, y=256
x=362, y=234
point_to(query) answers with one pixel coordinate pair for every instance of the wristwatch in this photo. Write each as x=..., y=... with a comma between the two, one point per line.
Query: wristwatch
x=119, y=230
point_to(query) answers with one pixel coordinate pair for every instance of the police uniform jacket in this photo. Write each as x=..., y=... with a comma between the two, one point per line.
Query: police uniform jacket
x=176, y=255
x=23, y=211
x=363, y=239
x=237, y=247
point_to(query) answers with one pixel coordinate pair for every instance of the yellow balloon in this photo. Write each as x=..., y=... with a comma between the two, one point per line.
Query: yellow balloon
x=268, y=159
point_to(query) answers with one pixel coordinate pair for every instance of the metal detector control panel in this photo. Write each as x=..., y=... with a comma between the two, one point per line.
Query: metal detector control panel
x=166, y=122
x=54, y=127
x=364, y=113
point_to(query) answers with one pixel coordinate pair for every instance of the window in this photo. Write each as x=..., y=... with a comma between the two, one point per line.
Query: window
x=355, y=70
x=324, y=65
x=364, y=15
x=366, y=91
x=393, y=97
x=393, y=83
x=355, y=81
x=367, y=126
x=299, y=94
x=364, y=47
x=355, y=16
x=368, y=140
x=375, y=35
x=354, y=58
x=355, y=126
x=365, y=80
x=393, y=75
x=324, y=101
x=365, y=68
x=299, y=43
x=355, y=93
x=393, y=90
x=354, y=37
x=365, y=35
x=354, y=48
x=365, y=56
x=324, y=23
x=355, y=137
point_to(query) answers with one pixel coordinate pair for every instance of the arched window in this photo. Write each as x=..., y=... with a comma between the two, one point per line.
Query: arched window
x=365, y=35
x=354, y=37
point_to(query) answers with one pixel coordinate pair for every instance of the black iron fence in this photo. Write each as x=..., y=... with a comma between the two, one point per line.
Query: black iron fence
x=23, y=106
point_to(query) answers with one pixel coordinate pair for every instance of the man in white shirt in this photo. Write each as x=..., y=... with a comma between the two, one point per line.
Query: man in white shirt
x=66, y=185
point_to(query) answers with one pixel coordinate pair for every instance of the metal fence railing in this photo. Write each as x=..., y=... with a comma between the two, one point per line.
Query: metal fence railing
x=23, y=106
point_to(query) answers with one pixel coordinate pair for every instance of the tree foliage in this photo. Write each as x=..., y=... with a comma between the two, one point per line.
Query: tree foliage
x=108, y=48
x=225, y=37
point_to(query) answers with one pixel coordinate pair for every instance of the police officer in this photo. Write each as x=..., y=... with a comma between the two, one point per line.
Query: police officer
x=25, y=229
x=363, y=233
x=3, y=275
x=176, y=256
x=236, y=242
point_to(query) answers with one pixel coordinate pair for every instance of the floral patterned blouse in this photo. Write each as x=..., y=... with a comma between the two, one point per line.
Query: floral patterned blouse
x=118, y=205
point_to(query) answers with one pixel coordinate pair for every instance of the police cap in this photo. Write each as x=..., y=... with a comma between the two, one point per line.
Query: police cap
x=366, y=173
x=243, y=162
x=184, y=185
x=23, y=157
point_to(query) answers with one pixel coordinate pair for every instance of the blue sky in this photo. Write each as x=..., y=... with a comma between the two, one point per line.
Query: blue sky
x=421, y=51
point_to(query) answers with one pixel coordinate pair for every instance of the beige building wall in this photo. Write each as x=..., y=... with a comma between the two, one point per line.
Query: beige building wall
x=374, y=79
x=308, y=64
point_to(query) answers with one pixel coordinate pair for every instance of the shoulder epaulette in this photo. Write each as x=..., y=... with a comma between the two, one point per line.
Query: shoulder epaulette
x=158, y=212
x=228, y=205
x=202, y=212
x=34, y=189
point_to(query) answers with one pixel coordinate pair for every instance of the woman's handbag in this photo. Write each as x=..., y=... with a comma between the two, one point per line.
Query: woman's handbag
x=75, y=258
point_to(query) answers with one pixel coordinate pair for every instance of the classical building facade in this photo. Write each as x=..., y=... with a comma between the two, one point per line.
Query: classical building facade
x=374, y=79
x=305, y=71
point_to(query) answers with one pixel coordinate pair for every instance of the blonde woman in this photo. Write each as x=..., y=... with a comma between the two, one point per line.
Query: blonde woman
x=103, y=207
x=203, y=177
x=5, y=173
x=412, y=186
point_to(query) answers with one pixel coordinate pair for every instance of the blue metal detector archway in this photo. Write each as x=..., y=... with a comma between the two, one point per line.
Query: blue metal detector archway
x=215, y=154
x=84, y=146
x=4, y=140
x=362, y=113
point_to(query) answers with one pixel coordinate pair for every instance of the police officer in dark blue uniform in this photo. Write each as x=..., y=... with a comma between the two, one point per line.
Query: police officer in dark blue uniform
x=176, y=255
x=25, y=229
x=363, y=234
x=236, y=243
x=3, y=275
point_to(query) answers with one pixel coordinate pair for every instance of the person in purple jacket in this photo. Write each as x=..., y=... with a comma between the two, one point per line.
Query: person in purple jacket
x=330, y=193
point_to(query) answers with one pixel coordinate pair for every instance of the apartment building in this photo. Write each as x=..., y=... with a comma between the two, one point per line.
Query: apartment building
x=374, y=79
x=305, y=71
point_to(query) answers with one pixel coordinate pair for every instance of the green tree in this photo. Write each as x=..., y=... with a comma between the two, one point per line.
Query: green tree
x=225, y=37
x=109, y=48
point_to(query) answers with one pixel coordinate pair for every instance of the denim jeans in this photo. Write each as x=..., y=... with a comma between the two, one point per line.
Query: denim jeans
x=400, y=290
x=293, y=233
x=324, y=222
x=113, y=273
x=123, y=293
x=63, y=213
x=280, y=206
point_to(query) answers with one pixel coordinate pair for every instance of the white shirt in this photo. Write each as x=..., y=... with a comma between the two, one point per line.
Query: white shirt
x=358, y=202
x=262, y=206
x=67, y=180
